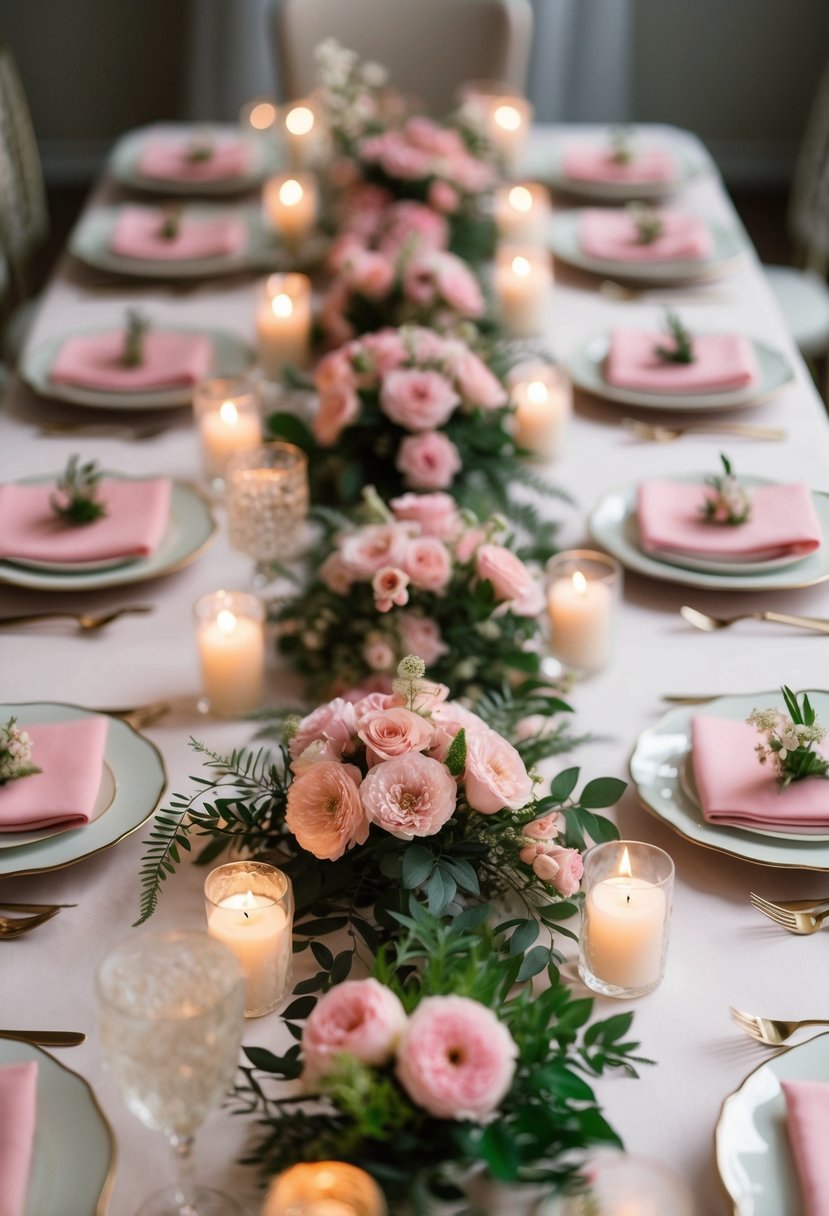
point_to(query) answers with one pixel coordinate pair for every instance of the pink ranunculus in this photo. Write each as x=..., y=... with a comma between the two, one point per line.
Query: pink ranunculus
x=395, y=732
x=546, y=828
x=418, y=400
x=511, y=581
x=359, y=1018
x=421, y=635
x=428, y=461
x=456, y=1059
x=495, y=775
x=409, y=796
x=378, y=654
x=391, y=588
x=428, y=564
x=336, y=575
x=387, y=350
x=444, y=197
x=458, y=286
x=570, y=870
x=474, y=381
x=370, y=274
x=437, y=513
x=325, y=811
x=339, y=407
x=372, y=547
x=334, y=722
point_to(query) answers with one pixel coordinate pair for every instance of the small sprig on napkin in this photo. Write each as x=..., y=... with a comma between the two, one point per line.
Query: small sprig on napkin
x=135, y=331
x=201, y=147
x=621, y=142
x=790, y=739
x=15, y=753
x=75, y=500
x=170, y=225
x=682, y=350
x=649, y=223
x=730, y=503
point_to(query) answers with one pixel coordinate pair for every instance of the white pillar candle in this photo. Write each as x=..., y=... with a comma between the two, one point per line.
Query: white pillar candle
x=283, y=324
x=508, y=126
x=227, y=414
x=302, y=133
x=543, y=402
x=522, y=212
x=523, y=279
x=290, y=206
x=230, y=636
x=580, y=605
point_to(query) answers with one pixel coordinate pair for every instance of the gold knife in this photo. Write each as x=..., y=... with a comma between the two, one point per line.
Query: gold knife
x=46, y=1038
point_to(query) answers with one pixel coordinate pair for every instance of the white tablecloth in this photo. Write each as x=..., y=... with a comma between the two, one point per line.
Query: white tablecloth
x=721, y=952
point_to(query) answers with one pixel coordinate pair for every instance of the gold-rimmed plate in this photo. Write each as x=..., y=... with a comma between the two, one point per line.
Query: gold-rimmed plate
x=125, y=160
x=138, y=780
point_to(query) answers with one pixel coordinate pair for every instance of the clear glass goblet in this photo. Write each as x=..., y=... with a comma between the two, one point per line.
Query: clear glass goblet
x=171, y=1010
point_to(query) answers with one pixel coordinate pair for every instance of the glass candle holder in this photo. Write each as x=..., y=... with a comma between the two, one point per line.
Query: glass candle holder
x=250, y=908
x=623, y=1184
x=542, y=402
x=626, y=917
x=267, y=504
x=582, y=589
x=506, y=116
x=259, y=115
x=324, y=1188
x=230, y=635
x=523, y=279
x=289, y=201
x=226, y=410
x=522, y=212
x=283, y=323
x=302, y=132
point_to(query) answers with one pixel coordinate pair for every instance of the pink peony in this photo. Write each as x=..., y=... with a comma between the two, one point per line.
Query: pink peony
x=421, y=635
x=359, y=1018
x=335, y=723
x=394, y=732
x=428, y=564
x=390, y=587
x=444, y=197
x=428, y=461
x=339, y=406
x=510, y=578
x=324, y=809
x=417, y=400
x=409, y=796
x=437, y=514
x=456, y=1059
x=495, y=775
x=474, y=381
x=372, y=547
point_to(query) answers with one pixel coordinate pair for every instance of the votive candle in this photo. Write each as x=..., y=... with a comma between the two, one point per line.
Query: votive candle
x=504, y=115
x=582, y=587
x=290, y=205
x=523, y=280
x=227, y=414
x=301, y=132
x=542, y=401
x=283, y=324
x=324, y=1188
x=230, y=635
x=522, y=212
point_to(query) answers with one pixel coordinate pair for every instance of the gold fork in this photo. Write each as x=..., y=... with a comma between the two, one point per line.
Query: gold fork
x=87, y=622
x=711, y=624
x=793, y=905
x=667, y=434
x=16, y=926
x=771, y=1031
x=802, y=923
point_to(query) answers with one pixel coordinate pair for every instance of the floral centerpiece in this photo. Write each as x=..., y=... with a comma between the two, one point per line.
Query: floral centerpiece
x=442, y=1065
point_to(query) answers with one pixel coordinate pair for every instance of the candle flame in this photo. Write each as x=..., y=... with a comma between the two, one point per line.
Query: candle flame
x=521, y=267
x=299, y=120
x=226, y=621
x=247, y=900
x=282, y=305
x=520, y=198
x=262, y=115
x=624, y=869
x=507, y=117
x=228, y=413
x=580, y=588
x=537, y=392
x=291, y=192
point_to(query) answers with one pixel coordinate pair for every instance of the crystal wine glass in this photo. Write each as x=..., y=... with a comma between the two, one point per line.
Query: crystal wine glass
x=171, y=1017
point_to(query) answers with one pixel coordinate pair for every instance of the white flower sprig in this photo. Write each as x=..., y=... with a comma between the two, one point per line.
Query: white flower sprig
x=790, y=739
x=730, y=503
x=15, y=753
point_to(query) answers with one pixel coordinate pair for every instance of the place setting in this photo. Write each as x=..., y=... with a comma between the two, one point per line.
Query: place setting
x=178, y=158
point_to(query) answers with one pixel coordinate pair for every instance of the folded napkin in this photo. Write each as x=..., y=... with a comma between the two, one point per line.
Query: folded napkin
x=721, y=362
x=595, y=163
x=783, y=521
x=168, y=158
x=18, y=1093
x=137, y=516
x=137, y=234
x=71, y=757
x=735, y=789
x=171, y=360
x=807, y=1111
x=613, y=236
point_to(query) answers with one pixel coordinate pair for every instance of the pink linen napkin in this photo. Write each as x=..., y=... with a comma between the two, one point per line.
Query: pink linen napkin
x=71, y=757
x=137, y=516
x=721, y=362
x=137, y=234
x=595, y=163
x=171, y=360
x=167, y=158
x=735, y=789
x=18, y=1096
x=807, y=1111
x=613, y=236
x=783, y=521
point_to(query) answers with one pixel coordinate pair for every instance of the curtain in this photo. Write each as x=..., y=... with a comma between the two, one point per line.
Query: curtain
x=581, y=69
x=228, y=58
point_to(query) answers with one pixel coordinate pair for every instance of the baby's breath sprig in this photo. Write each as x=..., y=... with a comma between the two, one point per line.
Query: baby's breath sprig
x=170, y=225
x=730, y=503
x=621, y=141
x=790, y=739
x=135, y=332
x=649, y=223
x=682, y=349
x=15, y=753
x=75, y=500
x=201, y=147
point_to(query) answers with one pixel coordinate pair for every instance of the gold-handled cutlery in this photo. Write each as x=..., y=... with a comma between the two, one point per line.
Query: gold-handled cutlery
x=668, y=434
x=17, y=926
x=46, y=1038
x=711, y=624
x=793, y=905
x=772, y=1031
x=801, y=922
x=139, y=716
x=86, y=622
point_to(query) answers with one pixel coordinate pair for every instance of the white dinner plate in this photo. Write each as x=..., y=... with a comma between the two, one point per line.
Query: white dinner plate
x=139, y=779
x=613, y=525
x=587, y=370
x=754, y=1157
x=656, y=769
x=544, y=163
x=231, y=357
x=123, y=160
x=565, y=243
x=103, y=801
x=191, y=528
x=73, y=1155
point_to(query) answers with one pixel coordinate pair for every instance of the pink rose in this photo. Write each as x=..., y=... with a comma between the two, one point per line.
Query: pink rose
x=495, y=775
x=469, y=543
x=570, y=870
x=409, y=796
x=421, y=635
x=419, y=281
x=372, y=547
x=456, y=1059
x=545, y=867
x=343, y=249
x=387, y=350
x=339, y=407
x=475, y=382
x=459, y=287
x=394, y=732
x=448, y=719
x=390, y=587
x=368, y=703
x=546, y=828
x=400, y=159
x=437, y=514
x=324, y=809
x=417, y=400
x=428, y=346
x=428, y=564
x=371, y=274
x=332, y=371
x=470, y=175
x=335, y=574
x=334, y=722
x=359, y=1018
x=378, y=654
x=412, y=225
x=428, y=461
x=510, y=578
x=444, y=197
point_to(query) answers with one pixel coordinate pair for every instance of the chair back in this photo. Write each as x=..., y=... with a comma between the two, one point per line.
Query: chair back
x=23, y=212
x=428, y=46
x=809, y=203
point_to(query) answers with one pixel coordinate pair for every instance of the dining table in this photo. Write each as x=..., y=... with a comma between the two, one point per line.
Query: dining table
x=722, y=951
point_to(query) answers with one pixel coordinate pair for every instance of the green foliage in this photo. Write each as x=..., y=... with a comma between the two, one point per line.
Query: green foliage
x=75, y=500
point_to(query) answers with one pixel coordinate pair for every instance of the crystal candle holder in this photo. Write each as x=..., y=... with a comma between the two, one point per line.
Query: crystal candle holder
x=283, y=323
x=542, y=402
x=583, y=587
x=505, y=116
x=267, y=504
x=226, y=410
x=230, y=635
x=324, y=1188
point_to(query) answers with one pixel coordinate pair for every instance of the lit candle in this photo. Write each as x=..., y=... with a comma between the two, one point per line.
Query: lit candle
x=283, y=324
x=508, y=125
x=581, y=594
x=227, y=413
x=324, y=1188
x=302, y=133
x=543, y=402
x=230, y=637
x=258, y=115
x=522, y=212
x=523, y=279
x=249, y=908
x=290, y=205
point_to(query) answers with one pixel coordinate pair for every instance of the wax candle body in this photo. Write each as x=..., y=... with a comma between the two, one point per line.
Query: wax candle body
x=522, y=212
x=283, y=325
x=258, y=932
x=624, y=932
x=232, y=653
x=523, y=279
x=542, y=409
x=302, y=135
x=580, y=622
x=508, y=124
x=290, y=204
x=225, y=431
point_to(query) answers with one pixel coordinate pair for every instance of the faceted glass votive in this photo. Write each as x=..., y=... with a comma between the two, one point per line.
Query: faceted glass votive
x=267, y=503
x=283, y=323
x=230, y=635
x=542, y=402
x=250, y=908
x=626, y=917
x=583, y=587
x=324, y=1188
x=226, y=410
